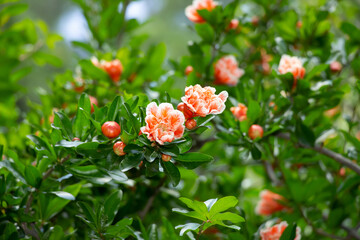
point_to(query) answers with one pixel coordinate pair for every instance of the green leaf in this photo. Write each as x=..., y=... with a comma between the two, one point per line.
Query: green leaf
x=42, y=58
x=82, y=123
x=87, y=148
x=133, y=148
x=63, y=122
x=13, y=169
x=228, y=216
x=255, y=152
x=289, y=233
x=89, y=213
x=33, y=176
x=121, y=229
x=135, y=123
x=254, y=111
x=223, y=204
x=14, y=9
x=118, y=175
x=187, y=227
x=57, y=233
x=353, y=140
x=192, y=214
x=112, y=204
x=172, y=171
x=316, y=70
x=114, y=109
x=304, y=134
x=41, y=144
x=84, y=46
x=57, y=204
x=92, y=70
x=351, y=30
x=193, y=159
x=64, y=195
x=68, y=144
x=130, y=161
x=8, y=231
x=20, y=74
x=206, y=32
x=199, y=207
x=2, y=185
x=185, y=146
x=169, y=233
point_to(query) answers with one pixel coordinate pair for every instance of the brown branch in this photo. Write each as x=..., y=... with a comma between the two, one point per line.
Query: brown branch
x=32, y=232
x=29, y=202
x=150, y=201
x=352, y=233
x=271, y=173
x=318, y=230
x=48, y=172
x=336, y=156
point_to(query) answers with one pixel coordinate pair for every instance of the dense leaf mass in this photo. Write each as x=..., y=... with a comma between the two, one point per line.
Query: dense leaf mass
x=252, y=133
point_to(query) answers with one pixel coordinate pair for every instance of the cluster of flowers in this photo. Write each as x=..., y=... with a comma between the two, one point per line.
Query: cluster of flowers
x=166, y=124
x=269, y=204
x=113, y=68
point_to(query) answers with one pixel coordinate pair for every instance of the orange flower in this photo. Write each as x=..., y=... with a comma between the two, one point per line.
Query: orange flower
x=358, y=135
x=239, y=112
x=78, y=84
x=269, y=203
x=113, y=68
x=199, y=101
x=163, y=123
x=332, y=111
x=292, y=65
x=95, y=62
x=275, y=232
x=93, y=101
x=234, y=23
x=227, y=71
x=191, y=11
x=52, y=116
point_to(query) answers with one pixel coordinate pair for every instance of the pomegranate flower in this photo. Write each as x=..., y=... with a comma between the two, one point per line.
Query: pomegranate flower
x=227, y=71
x=163, y=123
x=292, y=65
x=113, y=68
x=199, y=101
x=191, y=11
x=275, y=232
x=239, y=112
x=269, y=203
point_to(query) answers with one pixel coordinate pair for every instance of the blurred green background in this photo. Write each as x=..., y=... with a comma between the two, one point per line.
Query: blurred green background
x=164, y=22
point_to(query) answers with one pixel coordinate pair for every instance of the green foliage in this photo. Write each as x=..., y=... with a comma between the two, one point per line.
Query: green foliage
x=60, y=177
x=210, y=212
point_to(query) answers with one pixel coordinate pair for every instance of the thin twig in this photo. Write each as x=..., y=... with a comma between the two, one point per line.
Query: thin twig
x=271, y=173
x=29, y=202
x=318, y=230
x=336, y=156
x=32, y=232
x=351, y=232
x=48, y=172
x=200, y=230
x=150, y=201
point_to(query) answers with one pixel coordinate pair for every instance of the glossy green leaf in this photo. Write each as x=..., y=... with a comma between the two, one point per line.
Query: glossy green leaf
x=33, y=176
x=172, y=171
